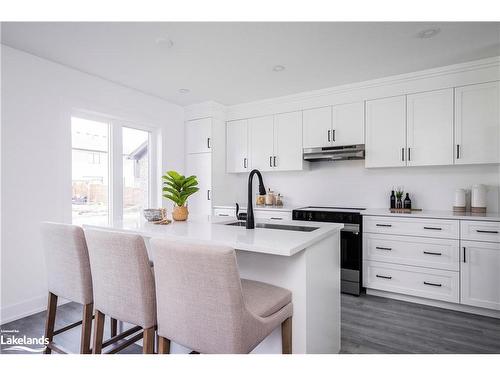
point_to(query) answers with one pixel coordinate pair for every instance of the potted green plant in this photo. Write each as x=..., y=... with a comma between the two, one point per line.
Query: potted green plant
x=399, y=196
x=178, y=189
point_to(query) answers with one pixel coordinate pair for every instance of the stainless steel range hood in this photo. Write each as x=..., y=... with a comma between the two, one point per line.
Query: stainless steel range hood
x=352, y=152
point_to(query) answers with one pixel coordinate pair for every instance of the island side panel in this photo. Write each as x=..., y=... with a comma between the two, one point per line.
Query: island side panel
x=323, y=295
x=287, y=272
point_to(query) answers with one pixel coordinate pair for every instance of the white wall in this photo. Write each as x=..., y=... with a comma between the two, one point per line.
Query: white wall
x=348, y=183
x=38, y=97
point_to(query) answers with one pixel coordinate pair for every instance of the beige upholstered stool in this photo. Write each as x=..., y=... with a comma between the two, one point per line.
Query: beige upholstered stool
x=68, y=273
x=123, y=282
x=203, y=305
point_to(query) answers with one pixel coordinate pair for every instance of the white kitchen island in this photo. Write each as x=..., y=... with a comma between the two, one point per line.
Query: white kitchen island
x=307, y=263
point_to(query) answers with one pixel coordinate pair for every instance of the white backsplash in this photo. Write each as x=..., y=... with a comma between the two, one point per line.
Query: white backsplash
x=348, y=183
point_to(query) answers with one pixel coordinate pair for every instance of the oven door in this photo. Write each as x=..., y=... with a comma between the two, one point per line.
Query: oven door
x=350, y=259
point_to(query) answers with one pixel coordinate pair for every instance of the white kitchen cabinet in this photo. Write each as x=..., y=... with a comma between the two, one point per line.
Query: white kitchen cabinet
x=477, y=124
x=430, y=128
x=198, y=135
x=237, y=146
x=348, y=124
x=261, y=144
x=317, y=127
x=200, y=165
x=480, y=274
x=288, y=142
x=386, y=132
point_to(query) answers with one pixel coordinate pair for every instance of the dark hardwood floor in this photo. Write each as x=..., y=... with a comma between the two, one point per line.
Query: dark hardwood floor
x=369, y=325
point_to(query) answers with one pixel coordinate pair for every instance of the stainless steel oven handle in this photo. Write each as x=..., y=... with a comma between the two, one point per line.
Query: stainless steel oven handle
x=352, y=228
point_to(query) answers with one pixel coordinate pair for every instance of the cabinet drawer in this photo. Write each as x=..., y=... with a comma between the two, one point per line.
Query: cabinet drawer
x=416, y=281
x=412, y=251
x=411, y=226
x=279, y=215
x=225, y=212
x=480, y=230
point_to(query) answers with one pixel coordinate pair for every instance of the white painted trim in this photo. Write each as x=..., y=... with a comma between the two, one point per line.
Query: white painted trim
x=26, y=308
x=435, y=303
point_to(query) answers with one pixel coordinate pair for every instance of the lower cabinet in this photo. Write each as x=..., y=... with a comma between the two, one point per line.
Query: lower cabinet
x=480, y=274
x=416, y=281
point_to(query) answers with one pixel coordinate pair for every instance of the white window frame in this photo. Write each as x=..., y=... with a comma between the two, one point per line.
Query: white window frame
x=115, y=159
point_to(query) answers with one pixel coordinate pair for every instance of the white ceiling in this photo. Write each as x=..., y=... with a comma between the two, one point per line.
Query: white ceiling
x=232, y=62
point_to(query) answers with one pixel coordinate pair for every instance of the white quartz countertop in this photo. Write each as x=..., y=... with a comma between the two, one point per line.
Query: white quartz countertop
x=209, y=229
x=259, y=208
x=489, y=216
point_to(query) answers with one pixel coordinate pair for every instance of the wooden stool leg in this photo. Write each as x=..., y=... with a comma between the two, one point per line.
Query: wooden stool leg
x=114, y=327
x=98, y=332
x=286, y=336
x=86, y=328
x=148, y=341
x=163, y=345
x=50, y=320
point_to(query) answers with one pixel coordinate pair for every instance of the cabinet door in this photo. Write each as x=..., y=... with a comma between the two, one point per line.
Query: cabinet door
x=348, y=124
x=477, y=124
x=288, y=141
x=386, y=132
x=430, y=128
x=237, y=146
x=317, y=127
x=200, y=165
x=198, y=134
x=261, y=143
x=480, y=274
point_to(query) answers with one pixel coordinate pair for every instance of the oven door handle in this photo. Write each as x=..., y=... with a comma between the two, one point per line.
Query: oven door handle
x=351, y=228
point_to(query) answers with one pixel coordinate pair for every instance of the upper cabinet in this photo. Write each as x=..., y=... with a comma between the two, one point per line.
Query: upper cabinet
x=237, y=146
x=198, y=134
x=268, y=143
x=430, y=128
x=317, y=127
x=348, y=124
x=338, y=125
x=288, y=141
x=386, y=132
x=477, y=124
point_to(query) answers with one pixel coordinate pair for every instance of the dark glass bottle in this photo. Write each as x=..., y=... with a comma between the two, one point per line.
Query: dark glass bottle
x=407, y=202
x=393, y=199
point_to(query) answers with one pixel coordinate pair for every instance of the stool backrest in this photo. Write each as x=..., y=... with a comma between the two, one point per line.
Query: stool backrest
x=122, y=276
x=199, y=295
x=67, y=262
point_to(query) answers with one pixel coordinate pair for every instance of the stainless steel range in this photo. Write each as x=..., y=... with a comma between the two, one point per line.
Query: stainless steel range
x=350, y=241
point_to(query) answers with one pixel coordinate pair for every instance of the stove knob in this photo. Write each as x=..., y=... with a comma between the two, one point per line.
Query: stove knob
x=310, y=216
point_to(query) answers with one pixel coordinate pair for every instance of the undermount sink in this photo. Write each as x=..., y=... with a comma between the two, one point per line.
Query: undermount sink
x=295, y=228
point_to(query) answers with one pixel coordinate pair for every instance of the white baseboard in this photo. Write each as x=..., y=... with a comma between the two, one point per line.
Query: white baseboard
x=26, y=308
x=435, y=303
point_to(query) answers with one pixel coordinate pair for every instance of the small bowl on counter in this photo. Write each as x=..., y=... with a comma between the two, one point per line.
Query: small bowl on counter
x=155, y=214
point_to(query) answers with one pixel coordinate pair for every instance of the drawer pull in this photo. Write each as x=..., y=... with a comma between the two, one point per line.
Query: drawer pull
x=384, y=225
x=383, y=248
x=432, y=253
x=433, y=228
x=487, y=231
x=432, y=284
x=276, y=218
x=222, y=215
x=384, y=277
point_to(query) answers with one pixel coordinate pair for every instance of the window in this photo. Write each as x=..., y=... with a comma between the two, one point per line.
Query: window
x=111, y=173
x=90, y=173
x=136, y=147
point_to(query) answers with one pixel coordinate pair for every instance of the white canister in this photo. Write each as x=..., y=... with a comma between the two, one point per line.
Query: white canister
x=478, y=198
x=460, y=198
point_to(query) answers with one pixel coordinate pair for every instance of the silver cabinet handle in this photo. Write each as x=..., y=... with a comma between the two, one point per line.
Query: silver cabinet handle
x=384, y=277
x=328, y=135
x=383, y=225
x=276, y=218
x=274, y=161
x=271, y=161
x=208, y=194
x=402, y=154
x=409, y=154
x=333, y=135
x=432, y=284
x=487, y=231
x=458, y=151
x=208, y=142
x=431, y=253
x=433, y=228
x=222, y=215
x=245, y=163
x=383, y=248
x=464, y=254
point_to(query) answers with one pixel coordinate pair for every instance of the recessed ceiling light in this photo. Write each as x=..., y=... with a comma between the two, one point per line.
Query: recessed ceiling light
x=184, y=91
x=164, y=41
x=428, y=33
x=278, y=68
